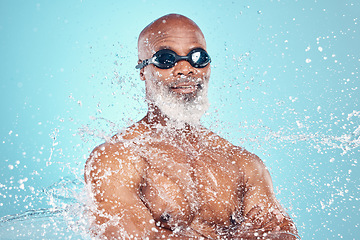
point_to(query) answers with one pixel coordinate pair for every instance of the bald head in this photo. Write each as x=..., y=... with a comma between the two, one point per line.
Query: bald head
x=183, y=86
x=171, y=25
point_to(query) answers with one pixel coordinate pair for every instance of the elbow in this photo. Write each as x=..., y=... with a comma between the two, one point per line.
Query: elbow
x=288, y=227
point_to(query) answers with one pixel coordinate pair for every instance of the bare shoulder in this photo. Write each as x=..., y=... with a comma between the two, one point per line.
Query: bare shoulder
x=116, y=155
x=249, y=160
x=252, y=166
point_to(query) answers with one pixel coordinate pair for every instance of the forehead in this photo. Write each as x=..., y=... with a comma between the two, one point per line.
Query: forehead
x=178, y=36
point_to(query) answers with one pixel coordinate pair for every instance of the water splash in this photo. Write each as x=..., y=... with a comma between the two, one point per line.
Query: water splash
x=64, y=220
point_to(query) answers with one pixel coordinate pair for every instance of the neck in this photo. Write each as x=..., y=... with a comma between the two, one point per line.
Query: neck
x=156, y=121
x=155, y=118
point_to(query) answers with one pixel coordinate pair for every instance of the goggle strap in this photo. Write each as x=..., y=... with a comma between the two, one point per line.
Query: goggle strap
x=143, y=63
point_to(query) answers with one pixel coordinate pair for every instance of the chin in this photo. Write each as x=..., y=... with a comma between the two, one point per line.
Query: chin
x=180, y=108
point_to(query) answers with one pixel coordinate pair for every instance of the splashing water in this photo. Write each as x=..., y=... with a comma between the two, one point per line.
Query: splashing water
x=66, y=219
x=311, y=144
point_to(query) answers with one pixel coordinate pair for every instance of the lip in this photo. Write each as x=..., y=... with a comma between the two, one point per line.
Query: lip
x=185, y=88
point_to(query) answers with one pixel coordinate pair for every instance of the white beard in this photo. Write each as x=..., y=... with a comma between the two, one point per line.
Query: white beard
x=182, y=109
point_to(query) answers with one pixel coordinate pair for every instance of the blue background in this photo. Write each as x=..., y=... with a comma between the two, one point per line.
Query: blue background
x=284, y=84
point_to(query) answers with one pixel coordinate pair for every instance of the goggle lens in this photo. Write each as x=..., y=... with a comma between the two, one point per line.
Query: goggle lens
x=199, y=58
x=164, y=59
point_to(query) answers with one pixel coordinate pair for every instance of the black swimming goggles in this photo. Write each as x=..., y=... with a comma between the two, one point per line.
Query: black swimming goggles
x=167, y=58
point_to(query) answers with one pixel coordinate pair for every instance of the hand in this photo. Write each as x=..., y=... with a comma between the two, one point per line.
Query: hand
x=262, y=223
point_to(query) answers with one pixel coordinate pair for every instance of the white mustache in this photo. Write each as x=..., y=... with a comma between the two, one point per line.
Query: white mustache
x=182, y=80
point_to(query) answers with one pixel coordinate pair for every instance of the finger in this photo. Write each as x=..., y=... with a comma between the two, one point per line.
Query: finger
x=256, y=217
x=272, y=224
x=249, y=219
x=254, y=211
x=275, y=220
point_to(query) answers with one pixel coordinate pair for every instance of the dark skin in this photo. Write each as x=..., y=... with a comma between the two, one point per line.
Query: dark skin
x=156, y=181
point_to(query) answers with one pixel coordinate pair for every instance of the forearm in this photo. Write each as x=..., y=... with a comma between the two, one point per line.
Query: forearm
x=164, y=233
x=270, y=230
x=252, y=235
x=188, y=233
x=113, y=232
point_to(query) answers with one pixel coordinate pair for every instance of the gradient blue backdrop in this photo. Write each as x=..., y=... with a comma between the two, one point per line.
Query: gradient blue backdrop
x=284, y=84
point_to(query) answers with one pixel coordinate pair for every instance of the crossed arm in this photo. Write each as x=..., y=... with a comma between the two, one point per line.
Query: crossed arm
x=112, y=174
x=115, y=178
x=263, y=216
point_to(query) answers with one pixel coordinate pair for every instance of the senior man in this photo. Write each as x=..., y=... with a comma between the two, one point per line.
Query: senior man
x=167, y=176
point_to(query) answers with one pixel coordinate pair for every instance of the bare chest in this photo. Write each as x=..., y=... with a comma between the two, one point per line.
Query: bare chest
x=186, y=187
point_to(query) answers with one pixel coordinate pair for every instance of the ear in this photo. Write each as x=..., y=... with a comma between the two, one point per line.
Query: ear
x=142, y=75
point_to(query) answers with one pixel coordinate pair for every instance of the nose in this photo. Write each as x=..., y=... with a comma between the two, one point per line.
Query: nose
x=183, y=67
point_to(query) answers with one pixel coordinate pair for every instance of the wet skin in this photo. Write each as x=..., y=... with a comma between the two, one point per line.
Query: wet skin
x=155, y=180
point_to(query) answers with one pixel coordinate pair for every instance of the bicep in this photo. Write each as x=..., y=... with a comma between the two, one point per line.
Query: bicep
x=259, y=187
x=114, y=184
x=260, y=206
